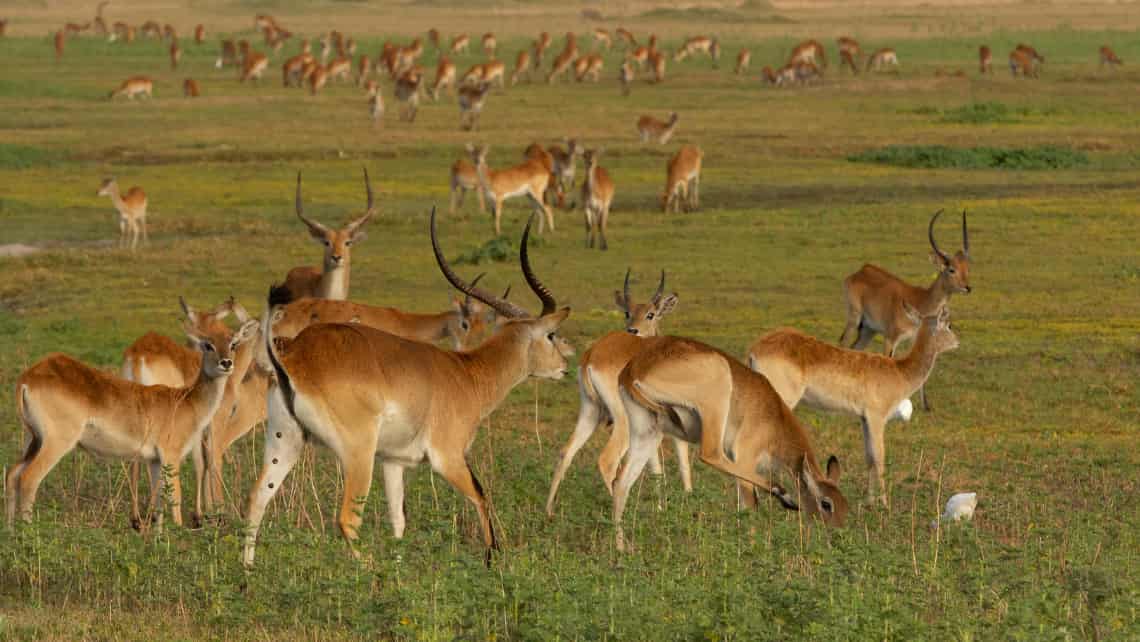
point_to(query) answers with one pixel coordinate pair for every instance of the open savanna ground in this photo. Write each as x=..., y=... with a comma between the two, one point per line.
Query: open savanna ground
x=1038, y=411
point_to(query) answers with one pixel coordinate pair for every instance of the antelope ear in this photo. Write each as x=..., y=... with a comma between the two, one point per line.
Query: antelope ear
x=809, y=481
x=247, y=331
x=834, y=470
x=619, y=300
x=317, y=231
x=186, y=309
x=240, y=312
x=667, y=304
x=938, y=261
x=358, y=235
x=550, y=322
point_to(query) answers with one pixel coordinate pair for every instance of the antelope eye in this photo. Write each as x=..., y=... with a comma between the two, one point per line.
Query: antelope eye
x=464, y=325
x=950, y=269
x=649, y=317
x=826, y=504
x=207, y=347
x=326, y=242
x=550, y=337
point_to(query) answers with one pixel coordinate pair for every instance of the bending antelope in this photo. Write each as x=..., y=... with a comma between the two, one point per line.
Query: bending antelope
x=882, y=59
x=698, y=44
x=522, y=66
x=1108, y=57
x=626, y=37
x=877, y=300
x=694, y=392
x=330, y=282
x=597, y=196
x=190, y=88
x=444, y=77
x=459, y=44
x=530, y=179
x=743, y=59
x=849, y=52
x=368, y=394
x=809, y=51
x=602, y=38
x=132, y=211
x=869, y=386
x=649, y=128
x=599, y=400
x=985, y=60
x=588, y=67
x=471, y=101
x=464, y=178
x=64, y=403
x=255, y=64
x=134, y=86
x=683, y=180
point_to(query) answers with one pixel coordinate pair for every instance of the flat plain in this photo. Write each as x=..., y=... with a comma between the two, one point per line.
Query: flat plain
x=1038, y=411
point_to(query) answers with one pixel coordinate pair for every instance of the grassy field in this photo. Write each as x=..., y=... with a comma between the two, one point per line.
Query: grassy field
x=1038, y=411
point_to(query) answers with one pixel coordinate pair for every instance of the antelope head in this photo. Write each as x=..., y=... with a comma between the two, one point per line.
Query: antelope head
x=338, y=243
x=953, y=271
x=823, y=495
x=642, y=319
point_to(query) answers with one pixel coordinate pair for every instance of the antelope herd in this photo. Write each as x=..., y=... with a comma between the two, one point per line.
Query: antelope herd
x=371, y=383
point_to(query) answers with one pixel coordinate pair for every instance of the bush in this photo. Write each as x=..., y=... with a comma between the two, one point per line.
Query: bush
x=939, y=156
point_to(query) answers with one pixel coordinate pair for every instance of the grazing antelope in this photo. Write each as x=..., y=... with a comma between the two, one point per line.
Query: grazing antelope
x=599, y=400
x=340, y=69
x=808, y=51
x=444, y=77
x=597, y=196
x=1022, y=63
x=58, y=40
x=869, y=386
x=649, y=128
x=807, y=72
x=293, y=70
x=657, y=64
x=175, y=54
x=493, y=72
x=471, y=101
x=190, y=88
x=591, y=68
x=560, y=65
x=318, y=77
x=625, y=36
x=694, y=392
x=368, y=394
x=376, y=107
x=465, y=178
x=985, y=60
x=255, y=64
x=875, y=298
x=847, y=59
x=199, y=34
x=489, y=45
x=641, y=54
x=883, y=58
x=530, y=179
x=64, y=403
x=743, y=59
x=132, y=211
x=625, y=77
x=330, y=282
x=72, y=29
x=263, y=21
x=602, y=39
x=459, y=44
x=134, y=86
x=1031, y=52
x=698, y=44
x=683, y=180
x=229, y=55
x=363, y=68
x=522, y=66
x=1108, y=57
x=540, y=47
x=408, y=93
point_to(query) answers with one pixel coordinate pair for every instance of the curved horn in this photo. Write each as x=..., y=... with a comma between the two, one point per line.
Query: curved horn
x=371, y=200
x=300, y=214
x=625, y=291
x=548, y=303
x=660, y=288
x=474, y=282
x=186, y=309
x=504, y=308
x=930, y=233
x=965, y=236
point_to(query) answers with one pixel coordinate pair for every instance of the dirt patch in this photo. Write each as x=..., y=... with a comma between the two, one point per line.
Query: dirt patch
x=17, y=249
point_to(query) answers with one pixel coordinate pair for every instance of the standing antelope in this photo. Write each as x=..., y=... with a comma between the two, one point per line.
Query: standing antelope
x=433, y=37
x=444, y=77
x=58, y=40
x=540, y=47
x=332, y=281
x=597, y=196
x=561, y=64
x=522, y=66
x=869, y=386
x=64, y=403
x=1108, y=57
x=293, y=70
x=408, y=93
x=229, y=55
x=363, y=69
x=626, y=37
x=649, y=128
x=4, y=27
x=199, y=34
x=694, y=392
x=175, y=53
x=132, y=211
x=255, y=64
x=376, y=107
x=489, y=45
x=459, y=44
x=368, y=394
x=602, y=38
x=471, y=101
x=1022, y=63
x=883, y=58
x=340, y=69
x=657, y=64
x=743, y=59
x=877, y=300
x=808, y=51
x=683, y=180
x=530, y=179
x=563, y=164
x=464, y=178
x=625, y=77
x=641, y=55
x=99, y=23
x=599, y=400
x=318, y=78
x=190, y=88
x=985, y=60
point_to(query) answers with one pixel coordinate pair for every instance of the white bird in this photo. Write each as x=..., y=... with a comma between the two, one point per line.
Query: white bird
x=903, y=411
x=959, y=507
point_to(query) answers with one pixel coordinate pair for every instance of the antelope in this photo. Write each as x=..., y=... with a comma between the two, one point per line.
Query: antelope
x=488, y=72
x=807, y=72
x=64, y=403
x=883, y=58
x=99, y=23
x=695, y=45
x=349, y=49
x=869, y=386
x=626, y=37
x=849, y=53
x=444, y=77
x=264, y=20
x=375, y=107
x=330, y=282
x=1023, y=63
x=649, y=128
x=561, y=64
x=363, y=68
x=73, y=29
x=169, y=32
x=58, y=40
x=367, y=394
x=175, y=54
x=199, y=34
x=696, y=393
x=255, y=64
x=625, y=77
x=657, y=64
x=847, y=59
x=599, y=401
x=121, y=30
x=433, y=37
x=293, y=70
x=589, y=66
x=489, y=45
x=522, y=66
x=459, y=44
x=641, y=55
x=562, y=162
x=190, y=88
x=743, y=59
x=1031, y=52
x=1108, y=57
x=531, y=178
x=465, y=178
x=602, y=39
x=683, y=180
x=540, y=47
x=340, y=69
x=406, y=57
x=985, y=60
x=554, y=193
x=132, y=211
x=471, y=101
x=151, y=29
x=4, y=27
x=808, y=51
x=318, y=78
x=229, y=55
x=597, y=196
x=408, y=93
x=134, y=86
x=875, y=298
x=326, y=49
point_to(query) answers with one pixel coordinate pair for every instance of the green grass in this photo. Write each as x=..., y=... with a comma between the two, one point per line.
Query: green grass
x=1038, y=411
x=1046, y=157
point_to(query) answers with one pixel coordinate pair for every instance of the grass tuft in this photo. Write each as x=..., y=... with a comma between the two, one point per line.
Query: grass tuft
x=942, y=156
